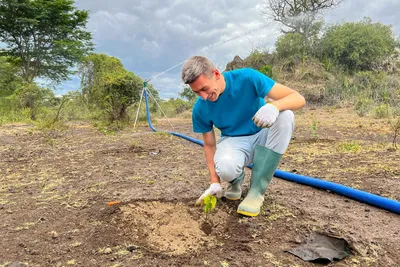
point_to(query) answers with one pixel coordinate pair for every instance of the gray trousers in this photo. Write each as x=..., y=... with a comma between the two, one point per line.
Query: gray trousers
x=233, y=154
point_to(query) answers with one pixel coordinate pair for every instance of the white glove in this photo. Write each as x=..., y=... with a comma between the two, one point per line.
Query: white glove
x=266, y=116
x=214, y=189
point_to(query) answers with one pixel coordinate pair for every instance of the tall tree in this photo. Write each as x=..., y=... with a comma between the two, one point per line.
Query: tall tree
x=188, y=94
x=45, y=37
x=299, y=16
x=108, y=85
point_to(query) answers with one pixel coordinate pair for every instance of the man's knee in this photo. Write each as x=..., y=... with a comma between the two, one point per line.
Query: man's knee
x=285, y=121
x=228, y=168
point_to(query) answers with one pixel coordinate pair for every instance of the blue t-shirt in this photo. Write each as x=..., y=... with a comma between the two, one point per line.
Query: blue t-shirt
x=234, y=109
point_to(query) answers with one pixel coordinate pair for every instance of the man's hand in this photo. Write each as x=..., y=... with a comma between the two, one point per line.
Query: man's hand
x=214, y=189
x=266, y=116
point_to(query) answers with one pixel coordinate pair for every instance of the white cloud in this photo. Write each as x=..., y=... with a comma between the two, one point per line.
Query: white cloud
x=151, y=36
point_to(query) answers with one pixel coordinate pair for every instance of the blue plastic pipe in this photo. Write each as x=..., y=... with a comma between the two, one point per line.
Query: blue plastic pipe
x=362, y=196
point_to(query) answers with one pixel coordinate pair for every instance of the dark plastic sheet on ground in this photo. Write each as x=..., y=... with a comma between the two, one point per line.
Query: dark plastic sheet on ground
x=322, y=248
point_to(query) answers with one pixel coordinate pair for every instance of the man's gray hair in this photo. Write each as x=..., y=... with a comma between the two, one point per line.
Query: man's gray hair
x=194, y=67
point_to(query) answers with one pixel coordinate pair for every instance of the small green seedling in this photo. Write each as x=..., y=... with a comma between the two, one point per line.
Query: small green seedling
x=209, y=203
x=313, y=128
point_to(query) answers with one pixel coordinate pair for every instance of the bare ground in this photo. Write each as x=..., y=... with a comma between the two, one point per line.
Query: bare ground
x=55, y=189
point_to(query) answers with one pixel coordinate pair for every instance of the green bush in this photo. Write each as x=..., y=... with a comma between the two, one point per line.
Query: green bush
x=267, y=70
x=109, y=86
x=76, y=108
x=358, y=45
x=10, y=111
x=363, y=106
x=173, y=107
x=32, y=96
x=290, y=44
x=257, y=59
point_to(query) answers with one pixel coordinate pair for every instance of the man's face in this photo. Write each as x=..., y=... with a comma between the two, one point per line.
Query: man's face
x=207, y=88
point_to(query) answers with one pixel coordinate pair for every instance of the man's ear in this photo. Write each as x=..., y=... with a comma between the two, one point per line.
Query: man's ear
x=217, y=73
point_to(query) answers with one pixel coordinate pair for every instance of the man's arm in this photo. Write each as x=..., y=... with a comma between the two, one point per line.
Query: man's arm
x=285, y=98
x=210, y=146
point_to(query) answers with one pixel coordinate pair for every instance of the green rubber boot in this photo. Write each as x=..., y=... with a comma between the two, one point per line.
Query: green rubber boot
x=264, y=165
x=234, y=189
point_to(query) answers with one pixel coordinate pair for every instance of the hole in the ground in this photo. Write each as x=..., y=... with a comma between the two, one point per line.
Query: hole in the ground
x=206, y=227
x=173, y=228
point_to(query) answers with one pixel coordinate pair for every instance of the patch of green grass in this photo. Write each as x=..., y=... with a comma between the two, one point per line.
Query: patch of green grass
x=122, y=252
x=162, y=133
x=76, y=244
x=106, y=128
x=272, y=259
x=278, y=212
x=178, y=178
x=135, y=178
x=363, y=106
x=353, y=147
x=4, y=200
x=137, y=255
x=381, y=111
x=71, y=262
x=25, y=226
x=104, y=250
x=96, y=187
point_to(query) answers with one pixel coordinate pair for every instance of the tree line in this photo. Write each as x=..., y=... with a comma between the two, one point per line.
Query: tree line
x=47, y=40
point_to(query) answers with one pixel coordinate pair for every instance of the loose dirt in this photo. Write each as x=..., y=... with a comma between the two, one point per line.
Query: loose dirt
x=54, y=190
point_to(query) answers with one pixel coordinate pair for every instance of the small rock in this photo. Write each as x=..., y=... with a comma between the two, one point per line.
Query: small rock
x=131, y=248
x=297, y=240
x=153, y=153
x=54, y=234
x=108, y=251
x=367, y=210
x=31, y=252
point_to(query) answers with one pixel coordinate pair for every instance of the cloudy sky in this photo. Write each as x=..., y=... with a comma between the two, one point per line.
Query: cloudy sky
x=151, y=36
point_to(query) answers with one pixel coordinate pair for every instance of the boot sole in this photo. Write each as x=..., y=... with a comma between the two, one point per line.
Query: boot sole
x=232, y=198
x=246, y=213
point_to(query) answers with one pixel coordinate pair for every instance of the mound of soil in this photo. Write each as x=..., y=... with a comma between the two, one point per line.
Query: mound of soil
x=166, y=227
